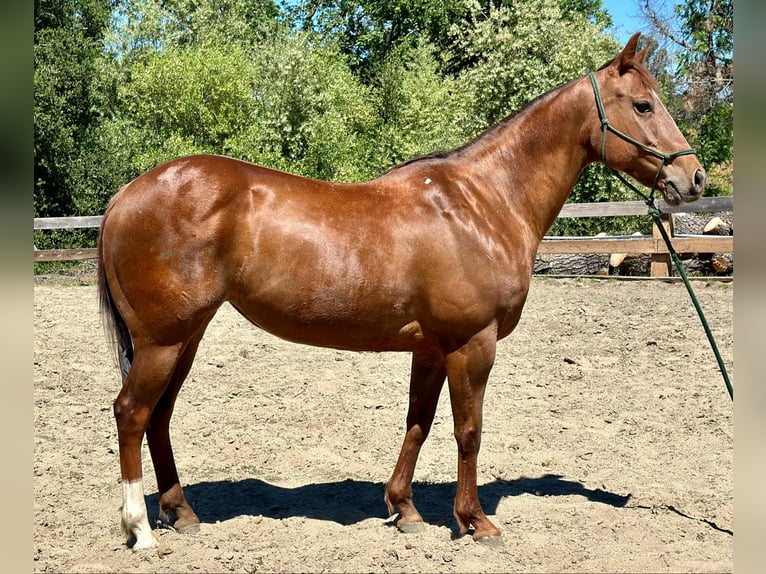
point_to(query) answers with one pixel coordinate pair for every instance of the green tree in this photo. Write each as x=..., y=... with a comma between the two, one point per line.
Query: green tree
x=229, y=77
x=144, y=26
x=311, y=116
x=185, y=99
x=67, y=102
x=698, y=42
x=71, y=103
x=418, y=110
x=523, y=49
x=369, y=31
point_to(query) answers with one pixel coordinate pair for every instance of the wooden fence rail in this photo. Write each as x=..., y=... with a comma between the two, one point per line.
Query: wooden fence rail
x=652, y=244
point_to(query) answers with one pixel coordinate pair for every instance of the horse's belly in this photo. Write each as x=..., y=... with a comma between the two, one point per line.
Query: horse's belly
x=354, y=330
x=341, y=333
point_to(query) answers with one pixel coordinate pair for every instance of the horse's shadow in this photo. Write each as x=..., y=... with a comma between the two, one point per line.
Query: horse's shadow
x=351, y=501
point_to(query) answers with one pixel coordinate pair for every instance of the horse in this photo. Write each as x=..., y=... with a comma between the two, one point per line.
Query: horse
x=434, y=257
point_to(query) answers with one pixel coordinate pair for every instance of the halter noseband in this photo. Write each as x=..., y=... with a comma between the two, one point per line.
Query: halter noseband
x=606, y=126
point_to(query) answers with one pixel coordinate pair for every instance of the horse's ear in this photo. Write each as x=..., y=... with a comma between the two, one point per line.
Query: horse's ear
x=628, y=55
x=641, y=56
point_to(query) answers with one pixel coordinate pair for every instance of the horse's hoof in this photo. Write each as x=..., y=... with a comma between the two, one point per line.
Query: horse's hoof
x=144, y=543
x=411, y=527
x=188, y=528
x=492, y=541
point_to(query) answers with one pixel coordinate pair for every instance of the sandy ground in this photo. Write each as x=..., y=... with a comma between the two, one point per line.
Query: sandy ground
x=607, y=445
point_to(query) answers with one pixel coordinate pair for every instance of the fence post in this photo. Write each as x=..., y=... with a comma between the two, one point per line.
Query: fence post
x=661, y=263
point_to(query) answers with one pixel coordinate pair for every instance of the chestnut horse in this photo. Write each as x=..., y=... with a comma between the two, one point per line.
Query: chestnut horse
x=434, y=257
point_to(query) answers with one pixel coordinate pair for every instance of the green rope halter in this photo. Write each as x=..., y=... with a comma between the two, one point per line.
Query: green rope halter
x=655, y=213
x=607, y=127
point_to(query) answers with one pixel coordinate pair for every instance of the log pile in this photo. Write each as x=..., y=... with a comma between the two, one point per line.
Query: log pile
x=720, y=223
x=572, y=263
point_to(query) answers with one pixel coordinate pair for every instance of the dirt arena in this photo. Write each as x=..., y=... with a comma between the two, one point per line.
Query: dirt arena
x=607, y=445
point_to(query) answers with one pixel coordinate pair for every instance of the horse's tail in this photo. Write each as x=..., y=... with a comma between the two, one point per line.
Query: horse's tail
x=114, y=325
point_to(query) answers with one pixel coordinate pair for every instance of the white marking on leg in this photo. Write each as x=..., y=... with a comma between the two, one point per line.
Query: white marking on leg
x=135, y=519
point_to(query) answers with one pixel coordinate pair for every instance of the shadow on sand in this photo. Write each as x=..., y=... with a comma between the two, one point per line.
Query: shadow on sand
x=351, y=501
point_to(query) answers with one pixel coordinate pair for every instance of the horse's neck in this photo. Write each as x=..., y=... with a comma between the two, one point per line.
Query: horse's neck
x=534, y=159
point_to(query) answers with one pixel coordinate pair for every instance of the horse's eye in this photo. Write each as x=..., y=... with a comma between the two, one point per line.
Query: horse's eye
x=642, y=107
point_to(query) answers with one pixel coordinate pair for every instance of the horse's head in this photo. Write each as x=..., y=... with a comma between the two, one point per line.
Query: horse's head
x=636, y=134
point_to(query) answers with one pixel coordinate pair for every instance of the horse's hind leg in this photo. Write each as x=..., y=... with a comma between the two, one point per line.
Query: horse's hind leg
x=172, y=499
x=145, y=383
x=426, y=381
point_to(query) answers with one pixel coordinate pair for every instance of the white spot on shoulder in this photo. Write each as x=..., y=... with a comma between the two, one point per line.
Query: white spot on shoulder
x=427, y=180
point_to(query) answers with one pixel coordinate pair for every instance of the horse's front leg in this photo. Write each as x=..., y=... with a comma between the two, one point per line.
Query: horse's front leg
x=426, y=381
x=467, y=370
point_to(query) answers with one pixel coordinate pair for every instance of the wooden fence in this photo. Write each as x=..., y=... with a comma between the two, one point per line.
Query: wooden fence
x=652, y=244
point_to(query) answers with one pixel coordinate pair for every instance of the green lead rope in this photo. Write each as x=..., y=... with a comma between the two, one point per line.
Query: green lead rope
x=655, y=215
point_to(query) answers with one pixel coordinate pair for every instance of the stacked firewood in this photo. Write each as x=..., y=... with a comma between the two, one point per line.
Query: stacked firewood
x=700, y=224
x=630, y=263
x=720, y=223
x=572, y=263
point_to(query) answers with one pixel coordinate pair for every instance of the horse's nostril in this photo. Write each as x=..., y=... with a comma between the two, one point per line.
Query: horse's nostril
x=699, y=179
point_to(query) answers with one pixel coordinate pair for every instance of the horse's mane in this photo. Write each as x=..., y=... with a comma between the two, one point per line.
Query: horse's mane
x=442, y=154
x=639, y=68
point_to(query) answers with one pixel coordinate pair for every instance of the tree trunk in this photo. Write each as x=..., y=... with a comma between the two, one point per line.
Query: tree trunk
x=572, y=264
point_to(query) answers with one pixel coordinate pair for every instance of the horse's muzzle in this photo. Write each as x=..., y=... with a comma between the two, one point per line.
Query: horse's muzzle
x=678, y=190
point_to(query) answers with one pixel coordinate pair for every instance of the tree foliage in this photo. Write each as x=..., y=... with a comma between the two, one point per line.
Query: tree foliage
x=369, y=31
x=695, y=44
x=522, y=49
x=417, y=109
x=311, y=116
x=67, y=99
x=187, y=99
x=331, y=89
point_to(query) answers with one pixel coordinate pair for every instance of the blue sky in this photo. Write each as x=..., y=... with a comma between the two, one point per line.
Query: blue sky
x=625, y=15
x=627, y=19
